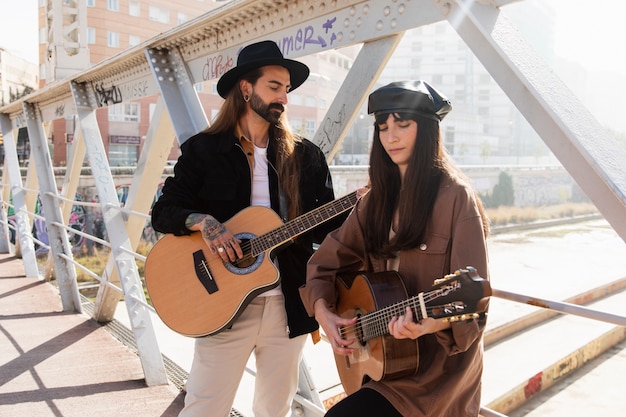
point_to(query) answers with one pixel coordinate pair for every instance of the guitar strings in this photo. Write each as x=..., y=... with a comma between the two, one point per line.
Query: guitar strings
x=379, y=319
x=368, y=329
x=298, y=225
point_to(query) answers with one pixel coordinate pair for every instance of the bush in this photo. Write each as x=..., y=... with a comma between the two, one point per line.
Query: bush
x=503, y=193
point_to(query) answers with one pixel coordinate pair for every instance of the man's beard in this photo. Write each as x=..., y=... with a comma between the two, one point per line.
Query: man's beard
x=270, y=112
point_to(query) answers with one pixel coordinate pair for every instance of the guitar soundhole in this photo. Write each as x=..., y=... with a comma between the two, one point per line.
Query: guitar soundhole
x=360, y=331
x=249, y=262
x=248, y=259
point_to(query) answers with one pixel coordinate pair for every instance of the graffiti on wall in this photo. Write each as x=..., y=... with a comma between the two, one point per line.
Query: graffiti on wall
x=88, y=220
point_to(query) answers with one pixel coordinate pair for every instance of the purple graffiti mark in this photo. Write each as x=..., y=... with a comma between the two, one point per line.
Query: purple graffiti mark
x=215, y=67
x=329, y=24
x=308, y=36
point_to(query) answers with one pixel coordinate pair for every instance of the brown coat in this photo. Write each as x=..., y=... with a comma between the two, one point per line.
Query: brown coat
x=448, y=382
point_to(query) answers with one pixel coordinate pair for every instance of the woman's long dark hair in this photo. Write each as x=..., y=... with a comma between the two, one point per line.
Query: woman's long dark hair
x=415, y=198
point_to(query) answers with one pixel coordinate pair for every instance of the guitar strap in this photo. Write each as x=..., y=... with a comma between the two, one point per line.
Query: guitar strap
x=282, y=202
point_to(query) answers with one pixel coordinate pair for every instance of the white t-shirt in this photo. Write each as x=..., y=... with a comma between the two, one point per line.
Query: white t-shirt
x=261, y=192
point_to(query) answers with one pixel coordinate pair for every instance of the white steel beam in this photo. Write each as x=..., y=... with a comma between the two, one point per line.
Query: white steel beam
x=177, y=90
x=146, y=180
x=50, y=206
x=4, y=219
x=589, y=153
x=121, y=247
x=352, y=93
x=24, y=246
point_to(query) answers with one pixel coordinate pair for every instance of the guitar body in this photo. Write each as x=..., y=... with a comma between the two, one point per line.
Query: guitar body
x=197, y=294
x=383, y=357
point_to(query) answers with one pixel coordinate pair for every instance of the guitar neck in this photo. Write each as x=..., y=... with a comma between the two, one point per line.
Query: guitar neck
x=459, y=294
x=303, y=223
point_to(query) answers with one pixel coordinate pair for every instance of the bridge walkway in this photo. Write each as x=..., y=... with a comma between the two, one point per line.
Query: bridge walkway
x=61, y=364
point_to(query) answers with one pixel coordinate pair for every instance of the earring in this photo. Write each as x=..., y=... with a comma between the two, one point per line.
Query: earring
x=246, y=98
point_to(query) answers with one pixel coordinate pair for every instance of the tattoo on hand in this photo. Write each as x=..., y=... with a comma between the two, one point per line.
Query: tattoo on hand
x=212, y=229
x=194, y=218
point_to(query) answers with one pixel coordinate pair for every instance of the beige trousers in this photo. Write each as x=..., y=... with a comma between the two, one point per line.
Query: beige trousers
x=219, y=362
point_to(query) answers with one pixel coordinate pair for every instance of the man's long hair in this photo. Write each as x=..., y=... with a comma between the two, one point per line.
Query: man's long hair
x=414, y=199
x=283, y=139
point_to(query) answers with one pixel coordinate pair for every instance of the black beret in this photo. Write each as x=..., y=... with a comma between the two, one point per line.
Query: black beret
x=409, y=97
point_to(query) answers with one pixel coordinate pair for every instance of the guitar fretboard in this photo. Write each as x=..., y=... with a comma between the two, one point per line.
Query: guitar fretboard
x=374, y=324
x=302, y=224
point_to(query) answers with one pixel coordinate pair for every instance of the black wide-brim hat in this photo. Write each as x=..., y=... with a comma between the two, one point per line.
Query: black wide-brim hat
x=258, y=55
x=416, y=97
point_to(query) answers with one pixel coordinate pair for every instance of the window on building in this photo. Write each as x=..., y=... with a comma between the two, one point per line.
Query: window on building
x=91, y=3
x=134, y=8
x=181, y=18
x=296, y=125
x=124, y=112
x=123, y=155
x=113, y=5
x=113, y=39
x=295, y=99
x=483, y=95
x=309, y=128
x=449, y=139
x=311, y=101
x=133, y=40
x=158, y=14
x=91, y=35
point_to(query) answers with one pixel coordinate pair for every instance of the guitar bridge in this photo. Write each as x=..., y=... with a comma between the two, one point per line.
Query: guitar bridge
x=203, y=273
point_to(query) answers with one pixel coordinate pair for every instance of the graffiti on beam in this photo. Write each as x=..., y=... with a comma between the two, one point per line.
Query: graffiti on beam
x=216, y=66
x=135, y=90
x=107, y=96
x=309, y=35
x=59, y=111
x=331, y=128
x=322, y=37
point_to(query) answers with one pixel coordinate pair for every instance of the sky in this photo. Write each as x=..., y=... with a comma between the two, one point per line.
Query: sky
x=590, y=32
x=18, y=28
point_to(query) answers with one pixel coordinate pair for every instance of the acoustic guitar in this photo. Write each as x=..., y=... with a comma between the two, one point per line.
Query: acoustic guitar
x=197, y=294
x=375, y=298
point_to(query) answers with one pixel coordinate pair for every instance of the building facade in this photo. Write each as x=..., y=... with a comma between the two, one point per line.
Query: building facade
x=17, y=77
x=115, y=25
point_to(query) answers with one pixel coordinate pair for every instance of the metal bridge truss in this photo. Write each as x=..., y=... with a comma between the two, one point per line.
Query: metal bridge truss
x=169, y=65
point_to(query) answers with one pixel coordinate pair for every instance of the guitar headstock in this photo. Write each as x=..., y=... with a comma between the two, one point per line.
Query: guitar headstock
x=459, y=296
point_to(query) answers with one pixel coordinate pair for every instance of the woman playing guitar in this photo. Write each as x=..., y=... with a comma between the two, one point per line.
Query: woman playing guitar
x=420, y=218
